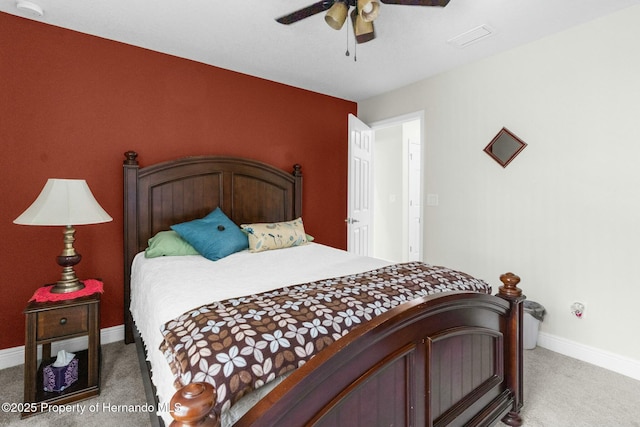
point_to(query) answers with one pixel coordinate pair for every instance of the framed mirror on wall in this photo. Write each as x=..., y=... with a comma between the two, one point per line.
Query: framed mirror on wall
x=504, y=147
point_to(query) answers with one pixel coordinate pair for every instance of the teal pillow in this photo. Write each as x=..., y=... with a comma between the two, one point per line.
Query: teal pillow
x=215, y=236
x=168, y=243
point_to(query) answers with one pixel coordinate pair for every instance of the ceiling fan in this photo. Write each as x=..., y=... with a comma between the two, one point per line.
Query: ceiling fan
x=362, y=16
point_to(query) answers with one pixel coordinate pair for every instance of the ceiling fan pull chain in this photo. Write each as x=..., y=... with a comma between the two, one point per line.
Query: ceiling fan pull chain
x=347, y=52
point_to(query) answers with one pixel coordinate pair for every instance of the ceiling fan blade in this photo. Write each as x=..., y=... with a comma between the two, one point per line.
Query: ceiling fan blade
x=442, y=3
x=305, y=12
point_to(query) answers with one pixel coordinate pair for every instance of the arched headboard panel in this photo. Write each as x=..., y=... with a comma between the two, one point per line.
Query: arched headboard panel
x=158, y=196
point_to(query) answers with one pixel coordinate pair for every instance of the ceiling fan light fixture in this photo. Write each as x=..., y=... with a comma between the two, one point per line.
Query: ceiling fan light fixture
x=362, y=29
x=368, y=10
x=336, y=15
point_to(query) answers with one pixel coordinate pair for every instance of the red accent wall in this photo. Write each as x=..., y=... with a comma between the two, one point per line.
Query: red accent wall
x=70, y=106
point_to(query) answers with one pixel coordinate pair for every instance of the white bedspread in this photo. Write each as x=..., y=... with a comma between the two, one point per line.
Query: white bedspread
x=164, y=288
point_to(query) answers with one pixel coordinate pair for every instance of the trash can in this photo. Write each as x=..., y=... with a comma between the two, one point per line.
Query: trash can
x=533, y=315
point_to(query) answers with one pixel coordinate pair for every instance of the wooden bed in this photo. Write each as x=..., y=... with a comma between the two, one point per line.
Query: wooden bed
x=452, y=359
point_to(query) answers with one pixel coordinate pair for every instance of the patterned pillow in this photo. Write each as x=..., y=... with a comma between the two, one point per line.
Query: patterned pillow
x=215, y=236
x=168, y=243
x=277, y=235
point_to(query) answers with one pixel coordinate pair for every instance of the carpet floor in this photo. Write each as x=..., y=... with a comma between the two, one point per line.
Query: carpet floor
x=558, y=392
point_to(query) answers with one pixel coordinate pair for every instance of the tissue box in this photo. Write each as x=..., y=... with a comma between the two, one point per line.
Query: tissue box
x=59, y=378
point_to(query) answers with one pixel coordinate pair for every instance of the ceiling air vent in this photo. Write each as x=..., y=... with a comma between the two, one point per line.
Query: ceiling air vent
x=471, y=36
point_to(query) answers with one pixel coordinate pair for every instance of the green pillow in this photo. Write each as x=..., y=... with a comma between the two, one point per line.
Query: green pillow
x=215, y=236
x=168, y=243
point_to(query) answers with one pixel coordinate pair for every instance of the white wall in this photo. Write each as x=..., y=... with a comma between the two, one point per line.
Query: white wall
x=563, y=215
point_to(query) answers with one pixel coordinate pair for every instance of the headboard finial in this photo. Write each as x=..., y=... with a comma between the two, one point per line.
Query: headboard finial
x=131, y=158
x=297, y=170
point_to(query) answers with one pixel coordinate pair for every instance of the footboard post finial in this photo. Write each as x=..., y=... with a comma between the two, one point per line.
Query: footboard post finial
x=192, y=404
x=510, y=288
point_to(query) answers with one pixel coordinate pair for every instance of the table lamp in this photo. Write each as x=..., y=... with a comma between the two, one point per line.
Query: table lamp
x=65, y=202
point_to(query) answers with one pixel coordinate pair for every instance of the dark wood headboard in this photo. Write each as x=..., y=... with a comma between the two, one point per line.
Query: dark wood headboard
x=160, y=195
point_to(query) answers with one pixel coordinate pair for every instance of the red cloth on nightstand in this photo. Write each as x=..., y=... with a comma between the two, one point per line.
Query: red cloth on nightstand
x=91, y=286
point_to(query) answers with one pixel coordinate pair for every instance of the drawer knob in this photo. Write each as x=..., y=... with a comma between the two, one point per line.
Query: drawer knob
x=63, y=321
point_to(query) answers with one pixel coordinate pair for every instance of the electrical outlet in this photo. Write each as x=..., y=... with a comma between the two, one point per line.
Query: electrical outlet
x=577, y=309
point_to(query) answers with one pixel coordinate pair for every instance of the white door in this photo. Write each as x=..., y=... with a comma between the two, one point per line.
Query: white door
x=359, y=210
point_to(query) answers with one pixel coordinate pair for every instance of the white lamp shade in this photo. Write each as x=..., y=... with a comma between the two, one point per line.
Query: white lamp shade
x=64, y=202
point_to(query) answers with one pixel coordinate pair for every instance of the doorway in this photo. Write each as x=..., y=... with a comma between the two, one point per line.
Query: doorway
x=397, y=177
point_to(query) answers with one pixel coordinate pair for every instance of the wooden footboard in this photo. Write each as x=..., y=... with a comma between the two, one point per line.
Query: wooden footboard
x=448, y=360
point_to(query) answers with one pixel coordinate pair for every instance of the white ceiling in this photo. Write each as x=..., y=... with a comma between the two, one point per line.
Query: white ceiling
x=411, y=42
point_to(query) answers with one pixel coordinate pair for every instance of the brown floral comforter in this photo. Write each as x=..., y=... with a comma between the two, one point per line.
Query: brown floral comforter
x=240, y=344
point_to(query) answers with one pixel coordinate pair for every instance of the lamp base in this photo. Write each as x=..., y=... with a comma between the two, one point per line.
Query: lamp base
x=66, y=286
x=69, y=281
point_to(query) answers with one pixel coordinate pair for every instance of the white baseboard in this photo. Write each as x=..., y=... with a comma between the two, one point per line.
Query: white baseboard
x=604, y=359
x=15, y=356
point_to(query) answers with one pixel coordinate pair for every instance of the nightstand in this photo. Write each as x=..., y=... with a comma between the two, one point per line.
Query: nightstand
x=47, y=322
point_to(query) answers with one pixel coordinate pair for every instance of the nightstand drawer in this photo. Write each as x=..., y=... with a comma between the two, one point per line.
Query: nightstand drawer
x=61, y=322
